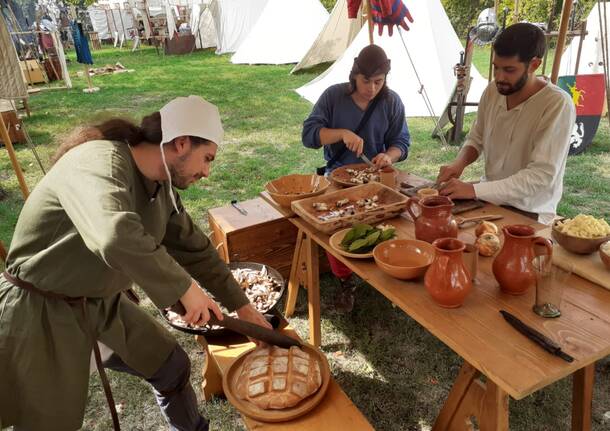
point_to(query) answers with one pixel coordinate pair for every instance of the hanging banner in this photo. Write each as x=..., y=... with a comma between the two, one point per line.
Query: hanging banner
x=588, y=93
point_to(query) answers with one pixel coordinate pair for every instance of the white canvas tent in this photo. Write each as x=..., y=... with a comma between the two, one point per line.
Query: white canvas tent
x=99, y=20
x=591, y=60
x=434, y=48
x=283, y=33
x=333, y=40
x=233, y=20
x=202, y=25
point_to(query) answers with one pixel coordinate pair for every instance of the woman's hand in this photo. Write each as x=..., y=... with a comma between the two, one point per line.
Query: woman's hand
x=353, y=142
x=197, y=305
x=382, y=160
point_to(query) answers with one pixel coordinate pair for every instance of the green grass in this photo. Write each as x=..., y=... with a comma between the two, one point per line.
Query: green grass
x=395, y=371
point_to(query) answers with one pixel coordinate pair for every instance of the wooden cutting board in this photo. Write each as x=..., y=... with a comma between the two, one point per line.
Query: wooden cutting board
x=588, y=266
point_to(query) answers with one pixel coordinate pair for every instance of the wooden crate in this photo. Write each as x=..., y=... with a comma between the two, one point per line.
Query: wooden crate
x=263, y=236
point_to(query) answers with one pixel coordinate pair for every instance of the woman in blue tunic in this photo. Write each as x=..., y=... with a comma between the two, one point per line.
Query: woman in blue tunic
x=384, y=138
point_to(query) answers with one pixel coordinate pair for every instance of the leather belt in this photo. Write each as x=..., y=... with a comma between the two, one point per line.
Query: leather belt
x=82, y=301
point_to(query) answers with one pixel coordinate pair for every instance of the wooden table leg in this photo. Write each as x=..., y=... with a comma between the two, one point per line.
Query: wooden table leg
x=469, y=398
x=582, y=398
x=294, y=282
x=313, y=291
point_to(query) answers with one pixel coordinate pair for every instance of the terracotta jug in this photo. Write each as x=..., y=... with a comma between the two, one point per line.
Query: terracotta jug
x=512, y=266
x=448, y=280
x=434, y=220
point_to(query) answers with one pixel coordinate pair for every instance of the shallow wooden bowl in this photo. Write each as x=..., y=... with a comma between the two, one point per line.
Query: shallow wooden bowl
x=292, y=187
x=575, y=244
x=605, y=255
x=229, y=384
x=404, y=259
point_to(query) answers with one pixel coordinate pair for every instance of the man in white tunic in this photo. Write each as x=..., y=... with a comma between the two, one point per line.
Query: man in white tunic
x=522, y=130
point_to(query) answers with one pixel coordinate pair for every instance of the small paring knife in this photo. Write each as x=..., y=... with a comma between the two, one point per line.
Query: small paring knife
x=238, y=207
x=366, y=160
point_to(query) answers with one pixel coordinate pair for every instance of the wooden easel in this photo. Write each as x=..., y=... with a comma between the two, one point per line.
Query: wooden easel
x=6, y=139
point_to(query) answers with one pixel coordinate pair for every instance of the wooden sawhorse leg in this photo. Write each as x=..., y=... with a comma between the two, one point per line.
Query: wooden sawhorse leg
x=305, y=271
x=582, y=398
x=212, y=378
x=297, y=274
x=469, y=398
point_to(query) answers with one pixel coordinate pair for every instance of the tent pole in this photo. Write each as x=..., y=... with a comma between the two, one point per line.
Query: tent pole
x=369, y=19
x=122, y=24
x=491, y=51
x=11, y=154
x=3, y=252
x=516, y=12
x=583, y=34
x=561, y=39
x=548, y=30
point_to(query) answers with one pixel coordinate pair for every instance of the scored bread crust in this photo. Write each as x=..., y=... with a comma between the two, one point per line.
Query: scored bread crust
x=276, y=378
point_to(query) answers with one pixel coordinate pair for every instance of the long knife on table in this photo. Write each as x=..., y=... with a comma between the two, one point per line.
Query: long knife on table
x=248, y=329
x=538, y=338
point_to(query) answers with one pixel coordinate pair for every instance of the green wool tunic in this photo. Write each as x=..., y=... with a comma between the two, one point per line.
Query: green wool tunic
x=94, y=226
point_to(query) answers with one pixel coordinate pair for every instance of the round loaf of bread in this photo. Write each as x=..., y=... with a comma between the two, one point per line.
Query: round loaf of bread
x=276, y=378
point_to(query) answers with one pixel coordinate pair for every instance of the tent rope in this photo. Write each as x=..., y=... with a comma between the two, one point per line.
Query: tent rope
x=28, y=140
x=422, y=91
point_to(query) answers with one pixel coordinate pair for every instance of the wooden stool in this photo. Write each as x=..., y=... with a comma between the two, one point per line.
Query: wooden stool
x=336, y=411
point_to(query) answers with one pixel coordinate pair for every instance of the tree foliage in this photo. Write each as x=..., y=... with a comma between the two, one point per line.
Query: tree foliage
x=463, y=13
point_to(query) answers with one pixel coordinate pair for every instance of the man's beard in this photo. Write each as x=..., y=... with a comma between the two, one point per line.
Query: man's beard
x=179, y=179
x=506, y=89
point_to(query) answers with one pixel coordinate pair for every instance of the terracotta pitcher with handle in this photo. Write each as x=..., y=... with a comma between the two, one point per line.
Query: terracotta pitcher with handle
x=512, y=266
x=448, y=280
x=434, y=219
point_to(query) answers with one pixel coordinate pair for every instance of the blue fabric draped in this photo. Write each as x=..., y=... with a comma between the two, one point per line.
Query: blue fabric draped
x=83, y=54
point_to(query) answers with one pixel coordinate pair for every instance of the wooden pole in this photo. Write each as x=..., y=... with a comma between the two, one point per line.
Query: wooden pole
x=3, y=252
x=561, y=40
x=88, y=77
x=11, y=154
x=583, y=33
x=369, y=19
x=516, y=12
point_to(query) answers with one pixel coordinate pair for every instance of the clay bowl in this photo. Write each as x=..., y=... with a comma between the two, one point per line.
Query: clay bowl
x=404, y=259
x=290, y=188
x=575, y=244
x=604, y=253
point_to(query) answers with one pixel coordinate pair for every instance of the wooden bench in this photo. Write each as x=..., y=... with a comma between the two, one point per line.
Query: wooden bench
x=336, y=411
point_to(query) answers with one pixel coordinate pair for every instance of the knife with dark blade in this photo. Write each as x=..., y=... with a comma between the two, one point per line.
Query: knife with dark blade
x=538, y=338
x=248, y=329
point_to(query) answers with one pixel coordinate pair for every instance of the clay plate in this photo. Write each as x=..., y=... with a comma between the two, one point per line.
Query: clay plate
x=340, y=176
x=335, y=243
x=229, y=382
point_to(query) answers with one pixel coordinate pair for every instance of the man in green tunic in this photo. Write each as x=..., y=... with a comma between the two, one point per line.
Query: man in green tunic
x=105, y=218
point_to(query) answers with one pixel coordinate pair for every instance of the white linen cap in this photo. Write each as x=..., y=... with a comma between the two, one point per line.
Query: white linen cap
x=191, y=116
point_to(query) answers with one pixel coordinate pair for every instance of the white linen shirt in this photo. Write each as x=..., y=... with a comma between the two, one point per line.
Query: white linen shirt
x=525, y=149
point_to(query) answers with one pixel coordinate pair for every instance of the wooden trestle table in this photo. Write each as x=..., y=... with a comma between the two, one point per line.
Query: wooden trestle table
x=512, y=364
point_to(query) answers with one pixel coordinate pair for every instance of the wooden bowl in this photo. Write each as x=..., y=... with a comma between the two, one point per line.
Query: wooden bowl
x=229, y=383
x=604, y=253
x=292, y=187
x=575, y=244
x=404, y=259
